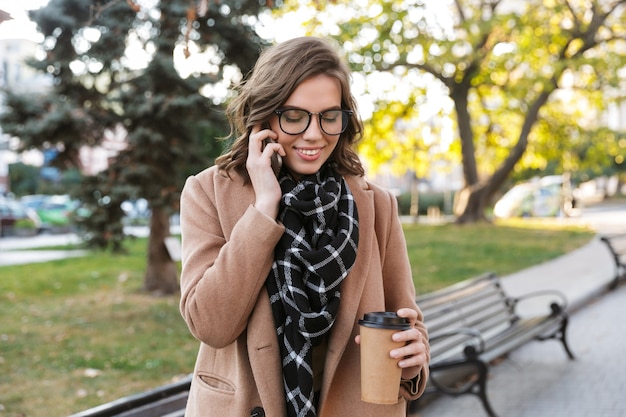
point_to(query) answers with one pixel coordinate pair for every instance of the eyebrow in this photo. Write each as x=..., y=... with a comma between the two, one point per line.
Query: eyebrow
x=300, y=108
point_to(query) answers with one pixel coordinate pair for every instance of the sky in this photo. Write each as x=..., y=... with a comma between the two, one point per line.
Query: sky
x=20, y=27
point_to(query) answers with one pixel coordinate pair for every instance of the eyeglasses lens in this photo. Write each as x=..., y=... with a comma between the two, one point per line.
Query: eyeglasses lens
x=296, y=121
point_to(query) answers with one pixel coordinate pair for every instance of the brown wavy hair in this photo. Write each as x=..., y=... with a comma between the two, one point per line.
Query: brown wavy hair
x=275, y=76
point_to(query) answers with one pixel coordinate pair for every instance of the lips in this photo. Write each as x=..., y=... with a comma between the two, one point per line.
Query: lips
x=309, y=154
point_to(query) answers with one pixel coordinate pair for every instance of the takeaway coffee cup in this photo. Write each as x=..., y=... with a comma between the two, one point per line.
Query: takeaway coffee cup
x=380, y=374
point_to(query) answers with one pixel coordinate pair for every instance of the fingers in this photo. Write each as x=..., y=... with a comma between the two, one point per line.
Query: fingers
x=259, y=166
x=254, y=140
x=413, y=353
x=409, y=314
x=257, y=135
x=414, y=350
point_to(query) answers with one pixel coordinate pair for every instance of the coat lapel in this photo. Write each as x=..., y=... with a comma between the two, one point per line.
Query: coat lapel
x=352, y=286
x=264, y=355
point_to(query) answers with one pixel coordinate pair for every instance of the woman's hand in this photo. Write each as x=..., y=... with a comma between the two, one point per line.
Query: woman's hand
x=266, y=188
x=413, y=355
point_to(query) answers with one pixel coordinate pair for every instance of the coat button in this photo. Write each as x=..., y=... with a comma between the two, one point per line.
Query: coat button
x=257, y=412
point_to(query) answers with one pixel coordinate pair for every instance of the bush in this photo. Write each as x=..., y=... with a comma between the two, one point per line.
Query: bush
x=425, y=200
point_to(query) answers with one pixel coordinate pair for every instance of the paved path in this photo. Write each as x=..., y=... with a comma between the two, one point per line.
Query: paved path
x=33, y=256
x=581, y=274
x=18, y=250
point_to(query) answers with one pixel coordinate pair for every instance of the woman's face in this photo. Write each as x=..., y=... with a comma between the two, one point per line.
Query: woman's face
x=308, y=151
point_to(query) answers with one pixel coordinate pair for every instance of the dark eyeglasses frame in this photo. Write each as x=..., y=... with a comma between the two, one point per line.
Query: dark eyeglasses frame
x=319, y=115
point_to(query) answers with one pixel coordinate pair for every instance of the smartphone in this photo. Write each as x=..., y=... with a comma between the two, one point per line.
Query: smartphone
x=276, y=160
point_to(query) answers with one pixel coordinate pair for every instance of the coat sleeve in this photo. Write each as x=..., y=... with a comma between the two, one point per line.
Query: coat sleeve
x=226, y=258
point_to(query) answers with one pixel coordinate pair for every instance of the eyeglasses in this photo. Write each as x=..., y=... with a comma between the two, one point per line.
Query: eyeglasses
x=296, y=121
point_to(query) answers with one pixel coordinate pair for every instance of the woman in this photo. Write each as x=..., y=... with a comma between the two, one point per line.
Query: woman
x=280, y=264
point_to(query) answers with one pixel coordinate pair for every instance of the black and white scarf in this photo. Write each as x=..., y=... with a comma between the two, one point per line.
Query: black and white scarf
x=312, y=258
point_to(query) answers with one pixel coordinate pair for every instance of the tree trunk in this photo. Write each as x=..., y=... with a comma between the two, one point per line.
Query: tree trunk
x=415, y=202
x=470, y=203
x=161, y=273
x=459, y=95
x=476, y=196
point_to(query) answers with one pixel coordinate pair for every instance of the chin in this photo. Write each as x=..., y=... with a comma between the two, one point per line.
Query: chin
x=309, y=171
x=301, y=169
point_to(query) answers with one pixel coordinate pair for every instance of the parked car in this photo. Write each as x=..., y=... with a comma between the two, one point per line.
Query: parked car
x=34, y=201
x=548, y=196
x=17, y=219
x=57, y=212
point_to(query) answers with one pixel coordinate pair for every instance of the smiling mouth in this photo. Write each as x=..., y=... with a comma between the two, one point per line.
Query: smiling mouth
x=309, y=152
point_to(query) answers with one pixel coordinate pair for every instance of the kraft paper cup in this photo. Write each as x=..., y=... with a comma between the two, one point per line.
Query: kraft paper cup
x=380, y=374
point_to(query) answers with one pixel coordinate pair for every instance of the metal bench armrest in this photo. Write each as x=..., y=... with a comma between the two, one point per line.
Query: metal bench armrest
x=558, y=305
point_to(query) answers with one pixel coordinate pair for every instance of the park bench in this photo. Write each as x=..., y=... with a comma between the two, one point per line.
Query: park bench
x=473, y=323
x=165, y=401
x=617, y=246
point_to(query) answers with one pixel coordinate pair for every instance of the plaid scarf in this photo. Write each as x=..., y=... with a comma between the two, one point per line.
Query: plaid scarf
x=312, y=258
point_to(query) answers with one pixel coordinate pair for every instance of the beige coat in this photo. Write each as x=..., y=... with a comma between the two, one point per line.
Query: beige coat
x=228, y=249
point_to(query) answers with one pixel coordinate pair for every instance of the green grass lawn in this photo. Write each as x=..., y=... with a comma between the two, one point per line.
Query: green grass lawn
x=445, y=254
x=79, y=332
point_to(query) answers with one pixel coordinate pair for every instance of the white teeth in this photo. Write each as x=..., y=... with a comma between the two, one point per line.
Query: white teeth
x=309, y=152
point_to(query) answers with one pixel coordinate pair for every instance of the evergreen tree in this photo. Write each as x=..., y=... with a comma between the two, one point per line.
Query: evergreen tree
x=114, y=70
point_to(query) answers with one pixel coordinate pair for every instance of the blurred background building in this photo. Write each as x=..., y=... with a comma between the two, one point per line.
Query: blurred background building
x=17, y=76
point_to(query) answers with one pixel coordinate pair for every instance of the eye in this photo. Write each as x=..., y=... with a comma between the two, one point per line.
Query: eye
x=331, y=116
x=294, y=116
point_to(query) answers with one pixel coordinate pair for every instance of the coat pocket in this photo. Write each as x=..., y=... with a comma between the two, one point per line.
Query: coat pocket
x=216, y=383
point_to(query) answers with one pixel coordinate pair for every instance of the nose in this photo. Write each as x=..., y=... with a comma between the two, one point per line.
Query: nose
x=314, y=131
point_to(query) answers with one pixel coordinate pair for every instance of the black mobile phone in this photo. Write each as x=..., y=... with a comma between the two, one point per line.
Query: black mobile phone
x=276, y=160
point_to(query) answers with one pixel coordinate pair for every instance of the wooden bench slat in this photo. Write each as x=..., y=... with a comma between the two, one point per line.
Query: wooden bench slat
x=465, y=306
x=456, y=291
x=519, y=335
